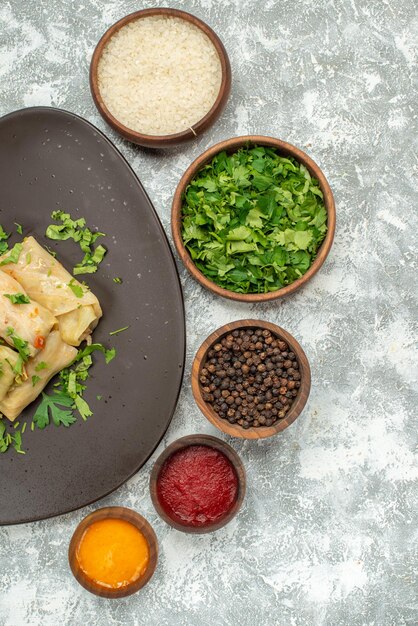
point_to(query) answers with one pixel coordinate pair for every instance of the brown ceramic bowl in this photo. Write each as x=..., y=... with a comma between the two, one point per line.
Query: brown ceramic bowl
x=231, y=145
x=162, y=141
x=116, y=512
x=235, y=430
x=212, y=442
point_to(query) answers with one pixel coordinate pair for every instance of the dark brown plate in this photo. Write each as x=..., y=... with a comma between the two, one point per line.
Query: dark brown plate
x=51, y=159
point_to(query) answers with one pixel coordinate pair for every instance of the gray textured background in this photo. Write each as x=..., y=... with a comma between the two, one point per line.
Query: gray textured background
x=327, y=534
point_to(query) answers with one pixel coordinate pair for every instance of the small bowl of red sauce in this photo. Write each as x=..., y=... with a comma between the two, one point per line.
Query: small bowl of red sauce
x=198, y=484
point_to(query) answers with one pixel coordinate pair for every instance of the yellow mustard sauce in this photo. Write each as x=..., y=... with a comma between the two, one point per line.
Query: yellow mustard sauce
x=113, y=553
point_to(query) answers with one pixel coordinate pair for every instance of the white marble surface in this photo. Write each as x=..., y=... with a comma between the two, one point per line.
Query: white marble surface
x=327, y=536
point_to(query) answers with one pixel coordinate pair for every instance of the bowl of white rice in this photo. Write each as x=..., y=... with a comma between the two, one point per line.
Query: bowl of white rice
x=160, y=77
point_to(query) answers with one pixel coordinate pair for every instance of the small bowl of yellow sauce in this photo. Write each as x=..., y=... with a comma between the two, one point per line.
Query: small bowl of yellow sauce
x=113, y=552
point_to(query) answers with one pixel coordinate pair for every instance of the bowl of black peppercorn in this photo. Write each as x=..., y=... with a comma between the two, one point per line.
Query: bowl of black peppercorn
x=251, y=379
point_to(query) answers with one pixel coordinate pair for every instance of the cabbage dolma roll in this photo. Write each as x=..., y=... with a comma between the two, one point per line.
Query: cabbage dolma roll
x=45, y=280
x=54, y=357
x=8, y=362
x=21, y=317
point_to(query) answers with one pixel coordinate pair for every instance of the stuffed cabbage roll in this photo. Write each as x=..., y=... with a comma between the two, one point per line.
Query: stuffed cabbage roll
x=48, y=282
x=56, y=355
x=8, y=360
x=21, y=318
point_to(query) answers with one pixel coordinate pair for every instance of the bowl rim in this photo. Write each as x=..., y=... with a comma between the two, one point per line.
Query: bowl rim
x=231, y=145
x=196, y=129
x=128, y=515
x=212, y=442
x=235, y=430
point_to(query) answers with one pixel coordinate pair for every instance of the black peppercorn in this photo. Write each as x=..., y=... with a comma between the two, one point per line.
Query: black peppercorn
x=250, y=378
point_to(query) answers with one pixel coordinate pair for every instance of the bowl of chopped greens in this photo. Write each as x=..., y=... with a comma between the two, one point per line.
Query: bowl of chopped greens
x=253, y=218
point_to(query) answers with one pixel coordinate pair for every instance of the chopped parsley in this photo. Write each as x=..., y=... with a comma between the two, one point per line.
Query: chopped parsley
x=50, y=406
x=59, y=406
x=52, y=253
x=22, y=347
x=41, y=366
x=3, y=436
x=118, y=280
x=69, y=392
x=19, y=228
x=14, y=255
x=18, y=368
x=81, y=234
x=119, y=330
x=72, y=379
x=7, y=439
x=17, y=298
x=93, y=347
x=3, y=240
x=20, y=344
x=76, y=288
x=17, y=442
x=253, y=220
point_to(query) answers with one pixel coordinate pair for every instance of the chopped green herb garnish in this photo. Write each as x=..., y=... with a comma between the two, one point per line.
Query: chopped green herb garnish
x=14, y=255
x=99, y=397
x=60, y=405
x=80, y=233
x=18, y=368
x=28, y=258
x=119, y=330
x=17, y=298
x=19, y=228
x=253, y=221
x=41, y=366
x=20, y=344
x=7, y=440
x=70, y=389
x=17, y=442
x=110, y=355
x=98, y=254
x=3, y=240
x=118, y=280
x=84, y=269
x=52, y=253
x=50, y=406
x=22, y=347
x=82, y=407
x=76, y=289
x=4, y=444
x=93, y=347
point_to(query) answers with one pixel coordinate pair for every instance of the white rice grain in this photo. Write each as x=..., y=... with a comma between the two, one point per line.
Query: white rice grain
x=159, y=75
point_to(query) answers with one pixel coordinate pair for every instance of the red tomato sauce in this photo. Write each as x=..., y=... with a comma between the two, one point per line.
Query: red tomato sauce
x=39, y=342
x=197, y=486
